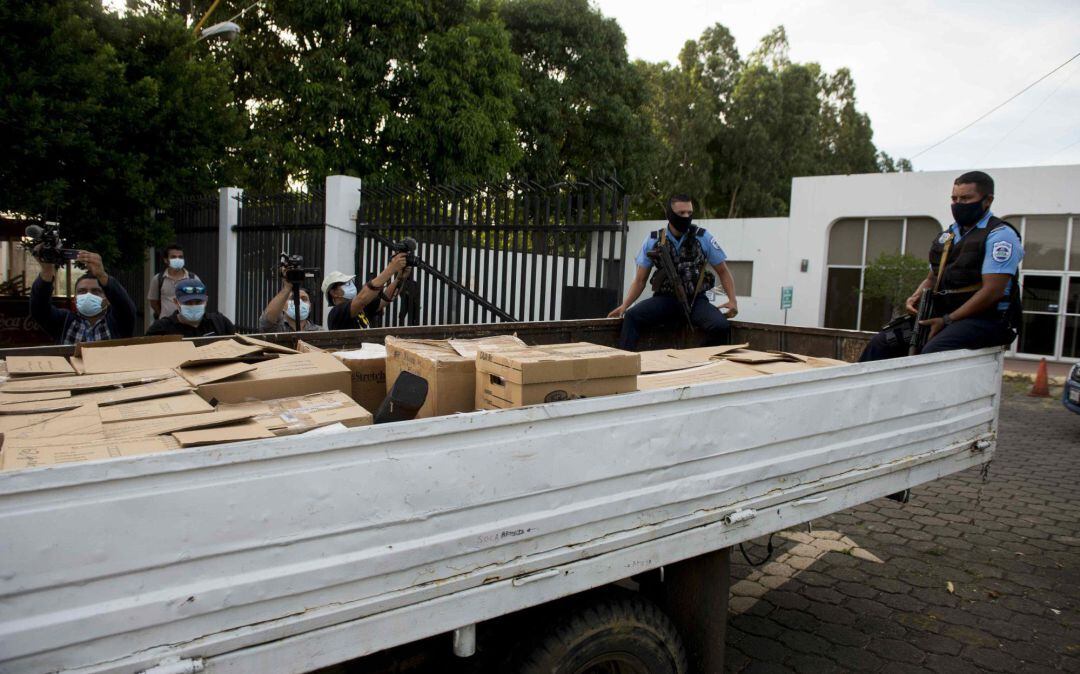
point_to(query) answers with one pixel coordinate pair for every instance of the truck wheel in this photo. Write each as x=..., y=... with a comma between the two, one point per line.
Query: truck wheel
x=613, y=635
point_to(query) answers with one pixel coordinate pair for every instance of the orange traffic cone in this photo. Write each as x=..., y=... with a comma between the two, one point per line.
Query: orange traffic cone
x=1041, y=389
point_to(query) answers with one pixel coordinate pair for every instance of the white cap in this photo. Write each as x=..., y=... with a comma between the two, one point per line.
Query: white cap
x=334, y=277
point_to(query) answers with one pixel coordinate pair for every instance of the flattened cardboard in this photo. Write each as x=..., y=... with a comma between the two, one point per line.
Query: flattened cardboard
x=451, y=377
x=82, y=421
x=18, y=456
x=288, y=416
x=715, y=371
x=111, y=396
x=9, y=423
x=221, y=351
x=467, y=348
x=207, y=374
x=304, y=347
x=283, y=377
x=558, y=363
x=368, y=367
x=36, y=365
x=77, y=364
x=7, y=398
x=494, y=393
x=268, y=347
x=752, y=357
x=86, y=382
x=810, y=363
x=247, y=430
x=145, y=428
x=668, y=360
x=185, y=403
x=134, y=357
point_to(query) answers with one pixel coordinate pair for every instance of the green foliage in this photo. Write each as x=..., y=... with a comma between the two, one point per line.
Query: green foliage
x=892, y=278
x=580, y=98
x=103, y=118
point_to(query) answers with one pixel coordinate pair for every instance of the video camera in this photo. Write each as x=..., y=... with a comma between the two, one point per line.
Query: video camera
x=408, y=246
x=294, y=271
x=46, y=245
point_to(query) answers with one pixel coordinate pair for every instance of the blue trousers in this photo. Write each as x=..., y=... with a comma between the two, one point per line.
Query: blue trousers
x=664, y=309
x=970, y=333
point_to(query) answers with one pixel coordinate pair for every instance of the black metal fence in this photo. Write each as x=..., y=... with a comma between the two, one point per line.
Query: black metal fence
x=133, y=277
x=195, y=228
x=525, y=251
x=268, y=225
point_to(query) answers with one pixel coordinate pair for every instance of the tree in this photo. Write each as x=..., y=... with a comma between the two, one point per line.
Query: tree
x=103, y=118
x=889, y=280
x=578, y=110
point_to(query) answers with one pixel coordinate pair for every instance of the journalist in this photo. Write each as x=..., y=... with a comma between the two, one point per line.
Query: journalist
x=192, y=319
x=279, y=315
x=352, y=307
x=103, y=309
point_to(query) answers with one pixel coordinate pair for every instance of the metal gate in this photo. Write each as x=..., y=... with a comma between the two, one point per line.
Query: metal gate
x=513, y=251
x=195, y=224
x=268, y=225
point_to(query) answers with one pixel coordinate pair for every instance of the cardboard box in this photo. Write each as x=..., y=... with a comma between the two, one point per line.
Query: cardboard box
x=368, y=367
x=222, y=351
x=283, y=377
x=304, y=347
x=451, y=377
x=288, y=416
x=207, y=374
x=529, y=375
x=246, y=430
x=494, y=393
x=37, y=365
x=174, y=405
x=268, y=347
x=17, y=456
x=715, y=371
x=667, y=360
x=102, y=359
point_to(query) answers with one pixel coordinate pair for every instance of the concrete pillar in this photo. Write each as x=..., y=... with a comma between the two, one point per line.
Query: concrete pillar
x=228, y=251
x=342, y=204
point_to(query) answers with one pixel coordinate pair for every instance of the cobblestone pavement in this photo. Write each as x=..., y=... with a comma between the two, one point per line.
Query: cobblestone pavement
x=973, y=576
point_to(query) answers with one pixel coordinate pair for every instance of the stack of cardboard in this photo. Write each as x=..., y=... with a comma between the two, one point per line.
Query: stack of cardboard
x=527, y=375
x=152, y=395
x=449, y=366
x=682, y=367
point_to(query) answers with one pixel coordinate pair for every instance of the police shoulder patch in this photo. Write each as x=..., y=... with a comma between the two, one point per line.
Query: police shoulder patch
x=1002, y=251
x=943, y=238
x=716, y=244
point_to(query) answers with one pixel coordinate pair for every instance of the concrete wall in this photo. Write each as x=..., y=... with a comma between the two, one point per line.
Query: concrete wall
x=777, y=246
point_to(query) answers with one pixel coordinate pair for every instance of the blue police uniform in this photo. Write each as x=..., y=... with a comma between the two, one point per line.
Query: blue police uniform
x=664, y=308
x=997, y=251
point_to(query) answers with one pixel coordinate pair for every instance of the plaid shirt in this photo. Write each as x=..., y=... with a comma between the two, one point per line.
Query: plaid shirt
x=81, y=330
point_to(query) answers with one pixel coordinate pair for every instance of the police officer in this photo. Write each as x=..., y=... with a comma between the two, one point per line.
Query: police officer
x=977, y=301
x=692, y=251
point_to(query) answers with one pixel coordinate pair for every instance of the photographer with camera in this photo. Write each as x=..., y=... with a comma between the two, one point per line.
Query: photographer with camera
x=192, y=319
x=352, y=307
x=280, y=313
x=104, y=310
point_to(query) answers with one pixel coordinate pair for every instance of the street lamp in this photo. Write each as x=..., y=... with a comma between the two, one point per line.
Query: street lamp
x=225, y=29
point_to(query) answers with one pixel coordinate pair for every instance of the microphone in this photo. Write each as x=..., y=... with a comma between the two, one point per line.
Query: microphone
x=34, y=231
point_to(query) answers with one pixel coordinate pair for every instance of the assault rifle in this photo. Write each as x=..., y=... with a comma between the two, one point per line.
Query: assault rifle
x=921, y=333
x=660, y=256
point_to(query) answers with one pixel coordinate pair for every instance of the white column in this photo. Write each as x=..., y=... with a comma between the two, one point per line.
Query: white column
x=342, y=203
x=228, y=217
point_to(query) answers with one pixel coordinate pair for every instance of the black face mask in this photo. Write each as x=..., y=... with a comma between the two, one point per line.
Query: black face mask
x=967, y=215
x=680, y=223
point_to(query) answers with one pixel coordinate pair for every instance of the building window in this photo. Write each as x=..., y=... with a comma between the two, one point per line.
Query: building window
x=743, y=273
x=1050, y=279
x=856, y=242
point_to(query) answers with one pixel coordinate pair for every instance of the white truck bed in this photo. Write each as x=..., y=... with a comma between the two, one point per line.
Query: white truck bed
x=286, y=555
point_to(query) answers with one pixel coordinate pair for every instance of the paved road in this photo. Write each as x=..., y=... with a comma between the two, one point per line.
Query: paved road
x=1009, y=546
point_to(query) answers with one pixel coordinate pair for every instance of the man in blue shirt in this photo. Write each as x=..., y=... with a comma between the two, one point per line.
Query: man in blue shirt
x=692, y=251
x=973, y=275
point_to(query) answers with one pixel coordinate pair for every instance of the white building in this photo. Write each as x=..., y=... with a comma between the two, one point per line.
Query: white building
x=838, y=223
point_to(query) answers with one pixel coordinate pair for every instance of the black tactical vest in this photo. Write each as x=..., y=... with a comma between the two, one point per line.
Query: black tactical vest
x=963, y=268
x=690, y=261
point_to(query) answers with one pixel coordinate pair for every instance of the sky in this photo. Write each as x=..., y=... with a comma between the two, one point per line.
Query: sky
x=923, y=69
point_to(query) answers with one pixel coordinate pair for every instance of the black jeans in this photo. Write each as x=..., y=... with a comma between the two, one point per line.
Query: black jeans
x=660, y=309
x=970, y=333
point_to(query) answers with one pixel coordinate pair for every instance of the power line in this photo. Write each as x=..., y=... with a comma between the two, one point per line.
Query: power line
x=997, y=107
x=1067, y=147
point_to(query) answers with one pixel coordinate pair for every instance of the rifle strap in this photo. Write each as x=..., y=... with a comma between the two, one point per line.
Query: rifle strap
x=966, y=289
x=944, y=261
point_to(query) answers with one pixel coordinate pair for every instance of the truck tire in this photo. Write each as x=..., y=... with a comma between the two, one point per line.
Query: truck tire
x=610, y=635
